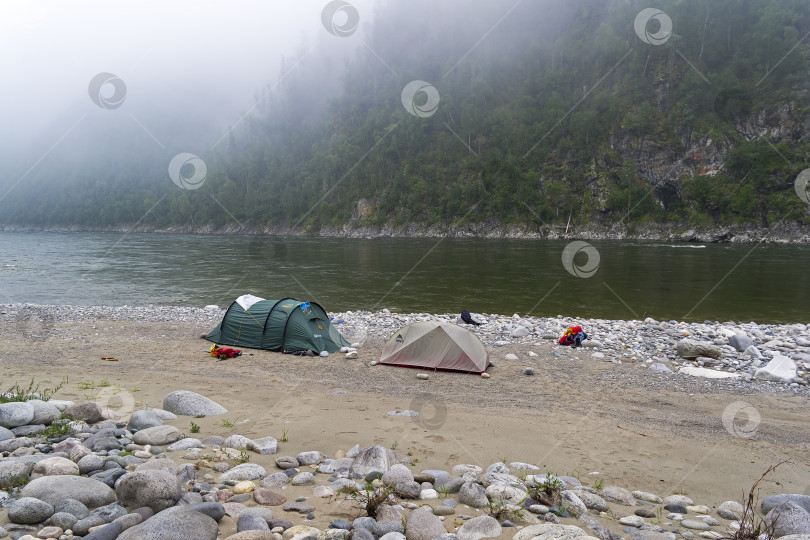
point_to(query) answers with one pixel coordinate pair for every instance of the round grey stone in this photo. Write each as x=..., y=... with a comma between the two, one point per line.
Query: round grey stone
x=309, y=458
x=90, y=462
x=251, y=522
x=83, y=526
x=157, y=436
x=63, y=520
x=16, y=413
x=408, y=490
x=422, y=524
x=28, y=510
x=381, y=528
x=479, y=527
x=73, y=507
x=286, y=462
x=214, y=510
x=303, y=479
x=44, y=412
x=55, y=489
x=473, y=495
x=185, y=403
x=184, y=444
x=153, y=488
x=143, y=419
x=365, y=522
x=11, y=471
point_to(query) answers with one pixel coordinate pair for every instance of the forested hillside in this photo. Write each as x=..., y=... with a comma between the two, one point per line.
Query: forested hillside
x=550, y=112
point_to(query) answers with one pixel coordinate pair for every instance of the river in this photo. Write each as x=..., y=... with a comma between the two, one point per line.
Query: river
x=626, y=279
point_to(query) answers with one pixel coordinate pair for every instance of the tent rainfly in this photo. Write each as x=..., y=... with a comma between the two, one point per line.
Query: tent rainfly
x=436, y=345
x=277, y=325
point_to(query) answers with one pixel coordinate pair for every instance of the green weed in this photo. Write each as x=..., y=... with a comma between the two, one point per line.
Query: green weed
x=21, y=393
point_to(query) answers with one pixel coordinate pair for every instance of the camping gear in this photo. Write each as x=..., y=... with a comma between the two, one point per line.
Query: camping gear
x=436, y=345
x=468, y=319
x=573, y=336
x=277, y=325
x=223, y=352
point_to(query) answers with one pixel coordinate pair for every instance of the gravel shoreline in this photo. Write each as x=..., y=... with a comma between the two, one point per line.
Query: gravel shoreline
x=740, y=351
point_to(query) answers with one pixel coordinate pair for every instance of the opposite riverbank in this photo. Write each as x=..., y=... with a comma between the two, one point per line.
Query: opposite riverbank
x=677, y=232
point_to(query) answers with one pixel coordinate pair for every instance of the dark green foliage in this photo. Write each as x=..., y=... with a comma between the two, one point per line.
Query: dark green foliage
x=560, y=115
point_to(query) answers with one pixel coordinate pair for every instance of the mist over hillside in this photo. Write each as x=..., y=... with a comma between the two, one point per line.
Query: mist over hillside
x=532, y=114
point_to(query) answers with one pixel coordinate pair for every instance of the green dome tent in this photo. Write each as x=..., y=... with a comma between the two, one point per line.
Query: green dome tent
x=277, y=325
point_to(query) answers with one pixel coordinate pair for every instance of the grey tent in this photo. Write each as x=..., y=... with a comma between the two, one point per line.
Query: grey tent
x=436, y=345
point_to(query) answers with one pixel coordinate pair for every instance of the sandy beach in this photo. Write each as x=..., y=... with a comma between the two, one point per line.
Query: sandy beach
x=661, y=433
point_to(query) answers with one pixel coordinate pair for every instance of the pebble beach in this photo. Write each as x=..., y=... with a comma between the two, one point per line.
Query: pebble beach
x=652, y=429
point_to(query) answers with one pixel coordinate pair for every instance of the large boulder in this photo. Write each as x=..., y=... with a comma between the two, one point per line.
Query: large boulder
x=44, y=412
x=173, y=523
x=153, y=488
x=144, y=419
x=689, y=348
x=16, y=413
x=89, y=412
x=422, y=524
x=772, y=501
x=788, y=518
x=185, y=403
x=779, y=369
x=55, y=489
x=157, y=436
x=479, y=527
x=374, y=459
x=28, y=510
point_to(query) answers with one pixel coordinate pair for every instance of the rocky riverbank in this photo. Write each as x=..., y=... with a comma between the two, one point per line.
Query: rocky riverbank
x=74, y=470
x=779, y=233
x=762, y=354
x=606, y=416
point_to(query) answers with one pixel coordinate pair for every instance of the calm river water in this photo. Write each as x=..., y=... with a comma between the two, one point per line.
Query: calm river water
x=763, y=283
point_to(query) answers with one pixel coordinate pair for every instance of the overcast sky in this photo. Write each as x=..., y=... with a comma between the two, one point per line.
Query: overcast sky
x=194, y=57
